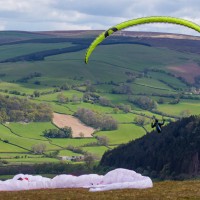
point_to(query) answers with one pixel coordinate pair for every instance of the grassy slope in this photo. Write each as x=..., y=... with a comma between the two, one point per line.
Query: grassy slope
x=31, y=130
x=24, y=88
x=74, y=142
x=10, y=148
x=107, y=63
x=111, y=68
x=10, y=51
x=172, y=190
x=123, y=134
x=192, y=106
x=98, y=151
x=68, y=153
x=14, y=161
x=53, y=97
x=6, y=134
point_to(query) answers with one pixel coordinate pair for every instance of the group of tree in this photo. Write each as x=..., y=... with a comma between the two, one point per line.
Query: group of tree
x=102, y=140
x=61, y=98
x=47, y=168
x=122, y=89
x=14, y=109
x=25, y=79
x=89, y=87
x=90, y=160
x=131, y=76
x=65, y=132
x=174, y=101
x=39, y=148
x=104, y=101
x=77, y=150
x=144, y=102
x=96, y=119
x=172, y=154
x=140, y=120
x=124, y=107
x=65, y=86
x=90, y=97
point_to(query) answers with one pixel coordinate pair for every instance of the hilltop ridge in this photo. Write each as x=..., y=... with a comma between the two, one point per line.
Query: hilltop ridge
x=172, y=154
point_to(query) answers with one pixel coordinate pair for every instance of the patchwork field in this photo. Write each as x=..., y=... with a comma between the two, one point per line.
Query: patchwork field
x=119, y=62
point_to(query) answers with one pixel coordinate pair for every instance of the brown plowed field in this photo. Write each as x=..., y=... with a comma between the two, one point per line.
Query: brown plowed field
x=77, y=126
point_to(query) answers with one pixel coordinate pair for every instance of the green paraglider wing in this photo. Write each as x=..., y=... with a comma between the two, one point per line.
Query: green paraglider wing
x=134, y=22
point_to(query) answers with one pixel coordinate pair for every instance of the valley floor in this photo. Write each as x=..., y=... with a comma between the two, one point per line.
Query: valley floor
x=162, y=190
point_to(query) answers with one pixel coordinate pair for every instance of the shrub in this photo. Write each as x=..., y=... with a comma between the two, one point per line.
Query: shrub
x=65, y=132
x=96, y=120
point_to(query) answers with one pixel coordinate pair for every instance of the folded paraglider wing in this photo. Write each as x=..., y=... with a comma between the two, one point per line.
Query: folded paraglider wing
x=116, y=179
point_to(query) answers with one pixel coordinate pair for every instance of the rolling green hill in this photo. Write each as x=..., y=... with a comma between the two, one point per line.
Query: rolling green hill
x=145, y=65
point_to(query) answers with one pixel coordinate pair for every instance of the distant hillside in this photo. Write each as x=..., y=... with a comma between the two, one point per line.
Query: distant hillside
x=48, y=67
x=174, y=153
x=20, y=46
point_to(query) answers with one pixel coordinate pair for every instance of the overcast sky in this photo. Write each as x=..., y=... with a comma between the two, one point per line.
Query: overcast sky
x=45, y=15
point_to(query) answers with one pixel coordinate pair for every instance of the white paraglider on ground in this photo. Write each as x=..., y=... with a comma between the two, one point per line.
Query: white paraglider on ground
x=115, y=179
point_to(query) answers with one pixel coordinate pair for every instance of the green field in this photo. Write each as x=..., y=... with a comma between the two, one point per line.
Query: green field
x=30, y=161
x=4, y=147
x=19, y=155
x=192, y=106
x=149, y=90
x=72, y=142
x=53, y=97
x=23, y=142
x=67, y=153
x=124, y=134
x=110, y=66
x=153, y=83
x=168, y=79
x=32, y=130
x=97, y=151
x=124, y=117
x=24, y=88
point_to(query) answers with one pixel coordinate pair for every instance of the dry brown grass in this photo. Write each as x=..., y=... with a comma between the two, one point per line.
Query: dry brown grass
x=174, y=190
x=77, y=126
x=187, y=71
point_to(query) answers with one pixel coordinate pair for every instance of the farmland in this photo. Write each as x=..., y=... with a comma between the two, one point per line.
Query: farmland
x=111, y=67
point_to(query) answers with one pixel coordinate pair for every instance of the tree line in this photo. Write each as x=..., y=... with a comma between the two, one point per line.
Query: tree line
x=14, y=109
x=96, y=119
x=65, y=132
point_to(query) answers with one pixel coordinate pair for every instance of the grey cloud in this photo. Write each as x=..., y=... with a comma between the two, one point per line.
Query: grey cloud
x=97, y=7
x=93, y=14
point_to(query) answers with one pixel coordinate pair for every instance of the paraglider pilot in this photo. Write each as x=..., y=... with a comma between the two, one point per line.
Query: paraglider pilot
x=157, y=124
